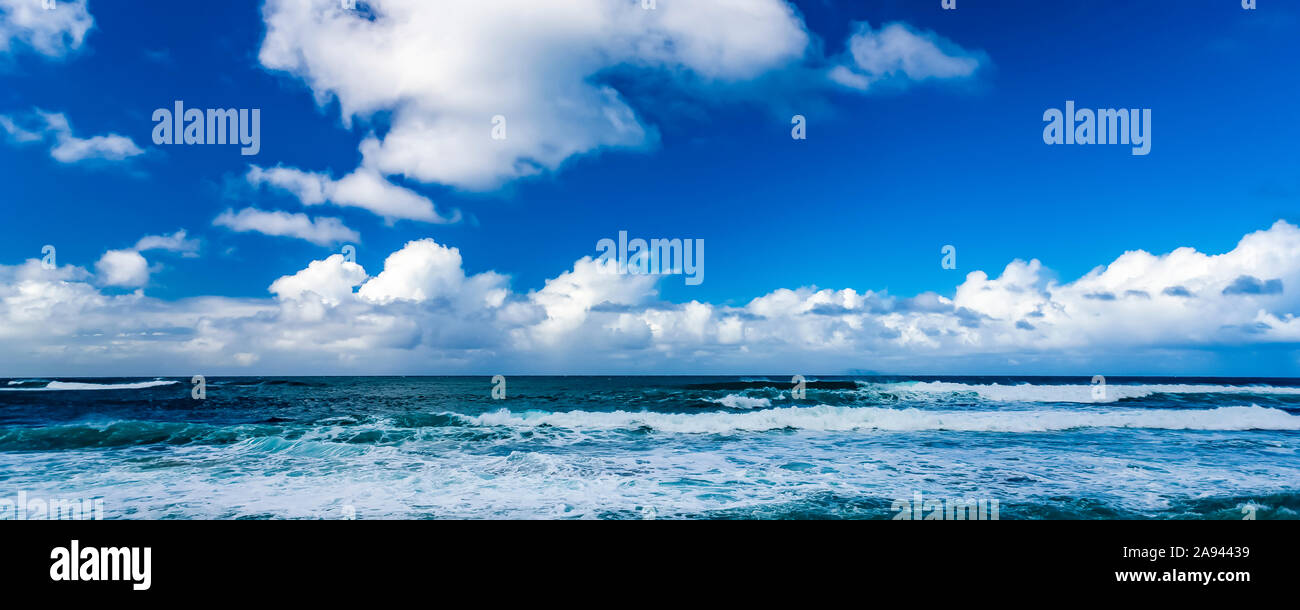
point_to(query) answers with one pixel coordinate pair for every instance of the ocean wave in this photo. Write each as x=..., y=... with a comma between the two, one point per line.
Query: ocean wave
x=1076, y=393
x=75, y=385
x=121, y=434
x=737, y=401
x=843, y=419
x=265, y=435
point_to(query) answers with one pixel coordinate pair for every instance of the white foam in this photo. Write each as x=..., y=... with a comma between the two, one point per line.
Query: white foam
x=737, y=401
x=73, y=385
x=1073, y=393
x=829, y=418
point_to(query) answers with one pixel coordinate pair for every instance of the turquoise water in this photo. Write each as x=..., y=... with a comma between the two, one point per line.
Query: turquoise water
x=653, y=447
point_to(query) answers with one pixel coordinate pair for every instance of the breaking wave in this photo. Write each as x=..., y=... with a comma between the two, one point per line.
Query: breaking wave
x=74, y=385
x=829, y=418
x=736, y=401
x=1077, y=393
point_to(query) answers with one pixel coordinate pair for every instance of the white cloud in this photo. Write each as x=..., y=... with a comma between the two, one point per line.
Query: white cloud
x=330, y=280
x=319, y=231
x=112, y=147
x=122, y=268
x=424, y=270
x=53, y=33
x=440, y=78
x=16, y=132
x=424, y=313
x=443, y=74
x=899, y=53
x=309, y=188
x=568, y=299
x=128, y=268
x=66, y=147
x=363, y=188
x=176, y=242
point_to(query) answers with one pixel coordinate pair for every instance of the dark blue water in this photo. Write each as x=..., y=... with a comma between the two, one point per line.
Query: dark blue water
x=661, y=447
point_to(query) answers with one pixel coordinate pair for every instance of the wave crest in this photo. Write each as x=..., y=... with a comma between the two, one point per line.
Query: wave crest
x=738, y=401
x=841, y=419
x=76, y=385
x=1076, y=393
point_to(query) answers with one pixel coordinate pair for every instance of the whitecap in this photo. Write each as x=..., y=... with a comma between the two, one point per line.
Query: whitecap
x=844, y=419
x=737, y=401
x=75, y=385
x=1077, y=393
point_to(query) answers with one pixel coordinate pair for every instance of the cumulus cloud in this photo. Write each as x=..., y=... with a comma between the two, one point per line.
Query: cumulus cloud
x=899, y=53
x=319, y=231
x=567, y=301
x=423, y=312
x=424, y=270
x=129, y=269
x=442, y=77
x=459, y=109
x=53, y=33
x=122, y=268
x=330, y=281
x=65, y=146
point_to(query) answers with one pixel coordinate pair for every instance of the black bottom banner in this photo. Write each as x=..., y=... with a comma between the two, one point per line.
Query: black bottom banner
x=164, y=562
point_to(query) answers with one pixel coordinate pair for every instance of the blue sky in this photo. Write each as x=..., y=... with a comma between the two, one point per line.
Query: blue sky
x=885, y=178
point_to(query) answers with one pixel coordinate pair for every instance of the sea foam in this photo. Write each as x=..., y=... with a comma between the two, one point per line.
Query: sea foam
x=74, y=385
x=1077, y=393
x=737, y=401
x=829, y=418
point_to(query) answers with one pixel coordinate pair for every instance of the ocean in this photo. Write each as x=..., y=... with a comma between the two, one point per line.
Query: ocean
x=864, y=447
